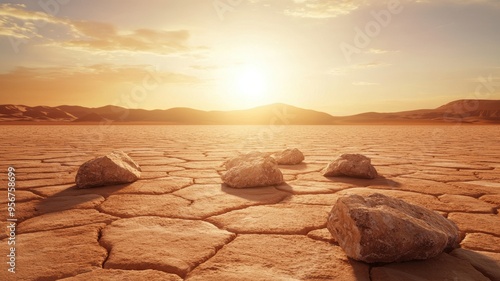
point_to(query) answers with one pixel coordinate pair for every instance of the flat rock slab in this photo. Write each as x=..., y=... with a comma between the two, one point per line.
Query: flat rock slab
x=253, y=257
x=312, y=187
x=429, y=187
x=54, y=254
x=157, y=186
x=486, y=262
x=378, y=228
x=455, y=165
x=64, y=219
x=133, y=205
x=275, y=219
x=21, y=196
x=486, y=223
x=481, y=242
x=169, y=245
x=442, y=267
x=61, y=203
x=322, y=235
x=33, y=208
x=209, y=200
x=444, y=203
x=492, y=199
x=124, y=275
x=313, y=199
x=193, y=202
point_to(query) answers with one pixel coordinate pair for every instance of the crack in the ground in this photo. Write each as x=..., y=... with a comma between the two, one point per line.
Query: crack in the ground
x=108, y=251
x=217, y=249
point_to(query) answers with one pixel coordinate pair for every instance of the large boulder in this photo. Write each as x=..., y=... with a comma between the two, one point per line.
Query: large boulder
x=114, y=168
x=252, y=170
x=378, y=228
x=288, y=156
x=351, y=165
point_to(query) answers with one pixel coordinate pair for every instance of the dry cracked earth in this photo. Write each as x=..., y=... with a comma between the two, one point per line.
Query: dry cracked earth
x=178, y=222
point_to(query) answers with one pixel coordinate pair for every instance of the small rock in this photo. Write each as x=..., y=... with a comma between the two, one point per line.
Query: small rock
x=252, y=170
x=378, y=228
x=114, y=168
x=351, y=165
x=235, y=161
x=288, y=157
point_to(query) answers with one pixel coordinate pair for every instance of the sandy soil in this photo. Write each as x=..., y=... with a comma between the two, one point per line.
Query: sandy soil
x=180, y=223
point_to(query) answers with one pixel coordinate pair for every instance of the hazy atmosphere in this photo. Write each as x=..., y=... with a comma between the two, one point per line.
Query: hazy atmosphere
x=339, y=57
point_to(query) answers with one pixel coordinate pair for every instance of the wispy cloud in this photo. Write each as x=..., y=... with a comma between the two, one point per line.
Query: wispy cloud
x=379, y=51
x=355, y=67
x=105, y=37
x=62, y=79
x=18, y=22
x=321, y=9
x=362, y=83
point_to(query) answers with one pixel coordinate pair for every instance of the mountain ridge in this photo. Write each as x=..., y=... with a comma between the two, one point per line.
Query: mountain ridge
x=464, y=111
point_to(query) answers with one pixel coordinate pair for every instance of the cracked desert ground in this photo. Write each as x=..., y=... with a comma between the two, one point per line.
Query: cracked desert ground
x=178, y=222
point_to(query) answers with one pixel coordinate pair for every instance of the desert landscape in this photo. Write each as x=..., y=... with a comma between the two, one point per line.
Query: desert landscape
x=180, y=222
x=250, y=140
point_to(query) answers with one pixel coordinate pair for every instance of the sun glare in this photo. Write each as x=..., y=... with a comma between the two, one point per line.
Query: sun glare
x=250, y=84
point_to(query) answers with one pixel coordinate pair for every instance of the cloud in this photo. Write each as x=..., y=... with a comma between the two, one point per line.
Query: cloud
x=369, y=65
x=18, y=22
x=361, y=83
x=91, y=82
x=361, y=66
x=379, y=51
x=98, y=36
x=321, y=9
x=204, y=67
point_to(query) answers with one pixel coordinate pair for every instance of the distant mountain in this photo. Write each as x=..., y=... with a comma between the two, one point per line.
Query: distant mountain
x=466, y=111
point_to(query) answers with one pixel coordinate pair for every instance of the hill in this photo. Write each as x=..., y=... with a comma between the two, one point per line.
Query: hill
x=465, y=111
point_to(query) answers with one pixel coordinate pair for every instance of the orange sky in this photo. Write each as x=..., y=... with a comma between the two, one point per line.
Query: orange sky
x=341, y=57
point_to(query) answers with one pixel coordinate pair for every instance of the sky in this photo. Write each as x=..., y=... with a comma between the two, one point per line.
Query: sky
x=337, y=56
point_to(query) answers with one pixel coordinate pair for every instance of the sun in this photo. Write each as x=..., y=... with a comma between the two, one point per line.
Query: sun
x=250, y=84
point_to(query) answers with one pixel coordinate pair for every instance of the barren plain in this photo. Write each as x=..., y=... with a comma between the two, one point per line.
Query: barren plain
x=178, y=222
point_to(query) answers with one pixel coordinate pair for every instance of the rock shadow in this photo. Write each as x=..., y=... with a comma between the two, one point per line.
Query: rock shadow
x=379, y=181
x=256, y=194
x=488, y=266
x=74, y=198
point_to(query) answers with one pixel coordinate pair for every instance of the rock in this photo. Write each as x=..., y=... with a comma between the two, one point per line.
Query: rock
x=351, y=165
x=114, y=168
x=288, y=157
x=235, y=161
x=252, y=170
x=378, y=228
